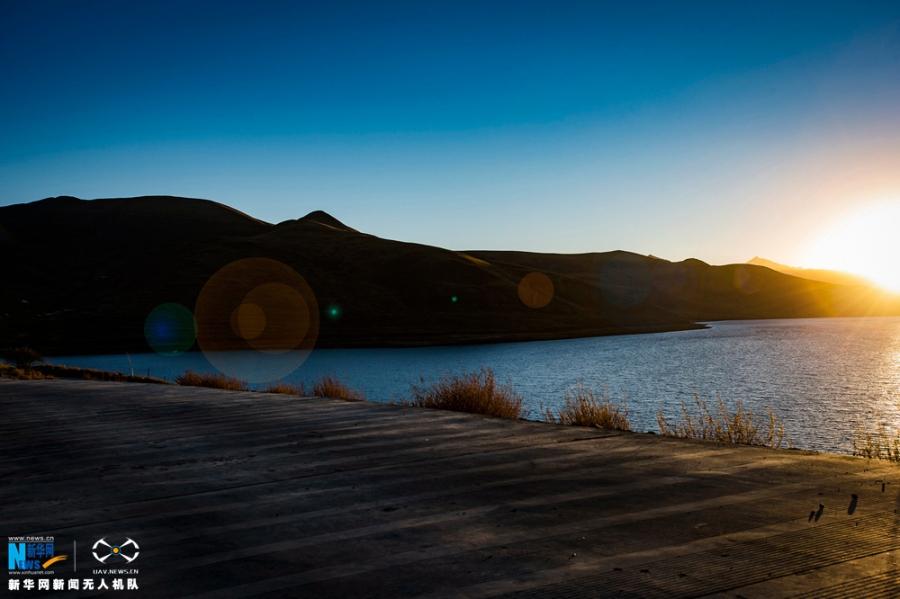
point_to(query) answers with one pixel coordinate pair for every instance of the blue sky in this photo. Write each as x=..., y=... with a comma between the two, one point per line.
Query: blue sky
x=717, y=130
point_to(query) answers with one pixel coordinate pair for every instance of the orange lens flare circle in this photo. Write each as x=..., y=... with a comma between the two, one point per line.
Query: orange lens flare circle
x=248, y=321
x=257, y=320
x=536, y=290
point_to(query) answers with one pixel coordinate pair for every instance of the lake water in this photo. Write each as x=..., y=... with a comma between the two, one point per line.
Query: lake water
x=824, y=377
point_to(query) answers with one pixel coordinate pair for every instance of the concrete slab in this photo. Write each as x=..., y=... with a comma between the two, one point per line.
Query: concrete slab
x=252, y=495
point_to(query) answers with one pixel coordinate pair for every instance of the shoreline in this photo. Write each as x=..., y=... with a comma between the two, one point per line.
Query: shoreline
x=58, y=372
x=406, y=343
x=644, y=398
x=474, y=339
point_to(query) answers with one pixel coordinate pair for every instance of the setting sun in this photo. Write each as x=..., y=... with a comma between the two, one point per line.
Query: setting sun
x=866, y=243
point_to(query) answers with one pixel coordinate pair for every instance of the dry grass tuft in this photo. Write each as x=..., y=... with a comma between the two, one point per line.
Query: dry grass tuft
x=722, y=425
x=330, y=387
x=286, y=389
x=878, y=445
x=582, y=407
x=214, y=381
x=476, y=393
x=22, y=374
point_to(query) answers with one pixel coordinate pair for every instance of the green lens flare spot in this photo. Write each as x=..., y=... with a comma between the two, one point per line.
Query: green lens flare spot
x=170, y=329
x=454, y=299
x=333, y=312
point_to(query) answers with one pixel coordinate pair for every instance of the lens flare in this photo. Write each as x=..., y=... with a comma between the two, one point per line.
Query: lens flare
x=248, y=321
x=257, y=320
x=170, y=329
x=334, y=312
x=536, y=290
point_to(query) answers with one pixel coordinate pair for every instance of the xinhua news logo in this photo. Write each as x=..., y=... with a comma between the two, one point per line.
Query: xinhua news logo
x=34, y=555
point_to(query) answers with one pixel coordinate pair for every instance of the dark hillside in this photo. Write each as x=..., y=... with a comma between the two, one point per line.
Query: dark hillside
x=81, y=276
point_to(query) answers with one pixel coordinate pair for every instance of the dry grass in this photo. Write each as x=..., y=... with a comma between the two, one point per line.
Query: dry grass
x=880, y=444
x=737, y=426
x=582, y=407
x=286, y=389
x=92, y=374
x=22, y=374
x=214, y=381
x=331, y=387
x=476, y=393
x=53, y=371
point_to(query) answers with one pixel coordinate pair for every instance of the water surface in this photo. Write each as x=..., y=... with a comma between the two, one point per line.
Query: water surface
x=824, y=377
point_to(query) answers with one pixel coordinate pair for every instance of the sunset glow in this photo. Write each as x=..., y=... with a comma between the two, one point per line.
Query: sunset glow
x=864, y=243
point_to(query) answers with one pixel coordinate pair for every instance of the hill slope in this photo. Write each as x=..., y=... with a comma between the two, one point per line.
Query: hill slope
x=81, y=276
x=815, y=274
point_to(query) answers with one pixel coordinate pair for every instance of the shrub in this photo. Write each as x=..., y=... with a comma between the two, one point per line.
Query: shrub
x=582, y=407
x=215, y=381
x=8, y=371
x=330, y=387
x=21, y=357
x=477, y=393
x=735, y=427
x=286, y=389
x=877, y=445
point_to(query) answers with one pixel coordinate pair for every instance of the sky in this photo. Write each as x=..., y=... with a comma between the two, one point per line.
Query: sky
x=716, y=130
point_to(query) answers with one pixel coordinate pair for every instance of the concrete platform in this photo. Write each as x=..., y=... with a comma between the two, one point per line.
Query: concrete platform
x=247, y=495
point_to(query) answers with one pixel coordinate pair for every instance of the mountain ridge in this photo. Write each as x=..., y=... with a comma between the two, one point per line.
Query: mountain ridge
x=84, y=274
x=814, y=274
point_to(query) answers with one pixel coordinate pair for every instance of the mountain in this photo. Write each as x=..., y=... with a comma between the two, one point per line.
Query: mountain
x=814, y=274
x=81, y=277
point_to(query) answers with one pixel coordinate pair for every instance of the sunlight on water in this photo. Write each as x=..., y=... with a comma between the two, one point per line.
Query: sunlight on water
x=824, y=377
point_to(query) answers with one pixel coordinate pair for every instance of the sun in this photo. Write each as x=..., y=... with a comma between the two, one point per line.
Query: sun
x=865, y=243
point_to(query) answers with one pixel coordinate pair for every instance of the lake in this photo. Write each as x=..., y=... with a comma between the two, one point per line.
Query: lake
x=824, y=377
